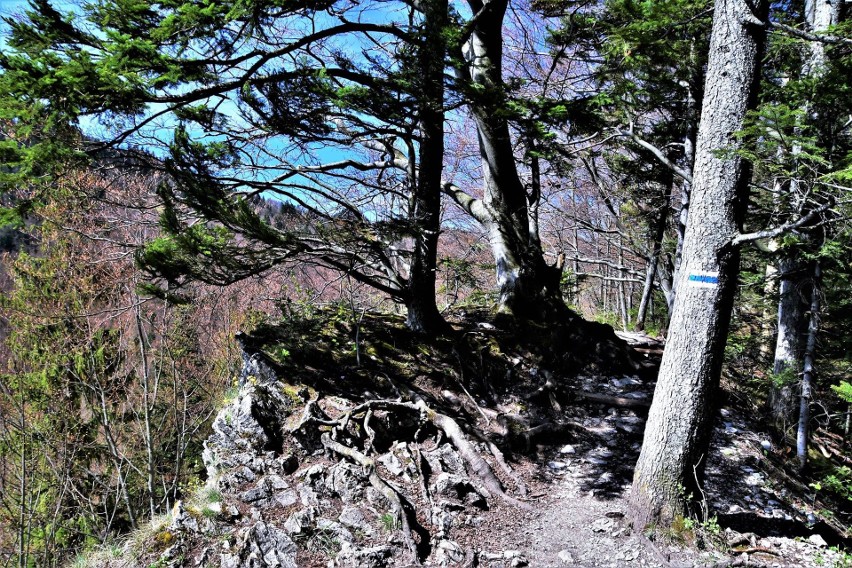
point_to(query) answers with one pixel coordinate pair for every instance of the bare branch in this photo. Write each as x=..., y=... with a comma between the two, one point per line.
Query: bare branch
x=781, y=229
x=820, y=38
x=474, y=207
x=659, y=154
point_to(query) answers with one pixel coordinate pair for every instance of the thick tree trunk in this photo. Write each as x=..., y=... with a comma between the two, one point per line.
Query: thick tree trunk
x=527, y=284
x=423, y=314
x=667, y=476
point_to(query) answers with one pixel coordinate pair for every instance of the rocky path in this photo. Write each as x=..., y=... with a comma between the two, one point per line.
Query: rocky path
x=579, y=521
x=300, y=479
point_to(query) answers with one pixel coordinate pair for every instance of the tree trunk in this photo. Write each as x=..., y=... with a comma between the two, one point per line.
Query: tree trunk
x=820, y=15
x=526, y=283
x=803, y=432
x=688, y=163
x=423, y=314
x=668, y=474
x=659, y=232
x=621, y=288
x=788, y=350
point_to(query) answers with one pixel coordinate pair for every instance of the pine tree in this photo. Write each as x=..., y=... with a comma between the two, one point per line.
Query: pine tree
x=251, y=101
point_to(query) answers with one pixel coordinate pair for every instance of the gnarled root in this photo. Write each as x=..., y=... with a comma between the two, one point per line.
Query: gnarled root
x=477, y=464
x=381, y=485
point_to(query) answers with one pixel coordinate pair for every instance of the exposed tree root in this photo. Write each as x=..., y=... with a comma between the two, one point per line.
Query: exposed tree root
x=471, y=456
x=478, y=466
x=501, y=461
x=382, y=486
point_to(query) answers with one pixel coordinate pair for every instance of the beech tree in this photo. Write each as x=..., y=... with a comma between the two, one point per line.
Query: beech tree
x=667, y=476
x=527, y=285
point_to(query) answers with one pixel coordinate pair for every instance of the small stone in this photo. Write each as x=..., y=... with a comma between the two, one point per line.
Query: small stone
x=351, y=557
x=557, y=465
x=567, y=449
x=817, y=540
x=391, y=463
x=339, y=532
x=299, y=522
x=566, y=557
x=276, y=482
x=287, y=497
x=449, y=552
x=352, y=517
x=315, y=470
x=256, y=494
x=754, y=479
x=308, y=496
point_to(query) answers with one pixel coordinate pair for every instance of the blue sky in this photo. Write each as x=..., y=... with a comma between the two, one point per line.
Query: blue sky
x=7, y=8
x=11, y=6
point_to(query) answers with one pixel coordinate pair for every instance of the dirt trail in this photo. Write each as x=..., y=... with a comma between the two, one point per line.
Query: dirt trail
x=579, y=519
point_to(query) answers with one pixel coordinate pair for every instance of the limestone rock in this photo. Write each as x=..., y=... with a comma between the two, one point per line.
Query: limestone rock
x=263, y=545
x=351, y=557
x=346, y=480
x=449, y=553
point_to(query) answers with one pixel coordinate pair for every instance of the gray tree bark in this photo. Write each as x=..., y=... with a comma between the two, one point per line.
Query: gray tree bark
x=788, y=344
x=803, y=431
x=654, y=259
x=526, y=283
x=819, y=16
x=423, y=314
x=667, y=476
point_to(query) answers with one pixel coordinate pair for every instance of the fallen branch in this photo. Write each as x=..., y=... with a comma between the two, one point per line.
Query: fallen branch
x=611, y=400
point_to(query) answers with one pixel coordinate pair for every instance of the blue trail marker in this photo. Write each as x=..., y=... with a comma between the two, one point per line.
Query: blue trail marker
x=703, y=279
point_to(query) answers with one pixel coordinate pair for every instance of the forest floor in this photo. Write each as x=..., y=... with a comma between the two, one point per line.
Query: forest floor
x=757, y=516
x=557, y=414
x=577, y=476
